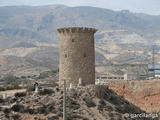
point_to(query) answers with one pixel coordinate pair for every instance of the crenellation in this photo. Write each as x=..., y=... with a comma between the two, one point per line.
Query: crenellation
x=77, y=30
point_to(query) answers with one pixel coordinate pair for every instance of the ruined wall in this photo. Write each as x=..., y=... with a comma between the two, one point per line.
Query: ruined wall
x=144, y=94
x=77, y=56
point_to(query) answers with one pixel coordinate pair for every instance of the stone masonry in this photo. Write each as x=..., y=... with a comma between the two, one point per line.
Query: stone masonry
x=77, y=56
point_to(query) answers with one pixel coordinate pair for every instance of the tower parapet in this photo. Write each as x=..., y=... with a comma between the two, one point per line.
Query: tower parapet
x=77, y=30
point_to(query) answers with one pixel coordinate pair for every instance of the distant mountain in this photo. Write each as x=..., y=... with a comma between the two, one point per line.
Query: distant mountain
x=28, y=35
x=27, y=23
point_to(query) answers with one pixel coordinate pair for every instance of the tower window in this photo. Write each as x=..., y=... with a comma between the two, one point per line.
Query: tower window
x=72, y=40
x=84, y=55
x=65, y=55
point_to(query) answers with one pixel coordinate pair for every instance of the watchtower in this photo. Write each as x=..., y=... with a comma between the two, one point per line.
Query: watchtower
x=77, y=56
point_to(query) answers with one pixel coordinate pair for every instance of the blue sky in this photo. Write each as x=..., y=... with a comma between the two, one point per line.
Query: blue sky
x=140, y=6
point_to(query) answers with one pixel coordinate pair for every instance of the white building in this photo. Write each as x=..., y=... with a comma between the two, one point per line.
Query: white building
x=103, y=79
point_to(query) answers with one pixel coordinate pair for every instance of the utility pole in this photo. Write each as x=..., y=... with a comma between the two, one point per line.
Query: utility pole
x=153, y=61
x=64, y=101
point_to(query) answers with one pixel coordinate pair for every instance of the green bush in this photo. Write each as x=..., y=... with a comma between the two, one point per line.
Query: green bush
x=13, y=86
x=16, y=86
x=2, y=89
x=10, y=87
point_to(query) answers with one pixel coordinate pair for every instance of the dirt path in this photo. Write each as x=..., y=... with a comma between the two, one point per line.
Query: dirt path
x=12, y=92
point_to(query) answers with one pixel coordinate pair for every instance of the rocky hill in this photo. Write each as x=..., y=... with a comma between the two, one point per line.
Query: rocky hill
x=84, y=103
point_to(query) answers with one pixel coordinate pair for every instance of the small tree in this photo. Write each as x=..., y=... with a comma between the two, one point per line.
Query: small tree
x=9, y=79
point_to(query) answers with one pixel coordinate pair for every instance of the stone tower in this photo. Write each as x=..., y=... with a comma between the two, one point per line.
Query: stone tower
x=77, y=56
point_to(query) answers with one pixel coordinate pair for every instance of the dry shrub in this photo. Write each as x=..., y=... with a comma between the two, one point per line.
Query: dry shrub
x=101, y=91
x=16, y=117
x=30, y=88
x=52, y=84
x=17, y=108
x=20, y=94
x=46, y=91
x=89, y=102
x=6, y=111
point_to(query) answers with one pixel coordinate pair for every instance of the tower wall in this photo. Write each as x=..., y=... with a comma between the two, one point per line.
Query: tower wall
x=77, y=56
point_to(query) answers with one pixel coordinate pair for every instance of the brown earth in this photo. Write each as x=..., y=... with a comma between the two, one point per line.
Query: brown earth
x=144, y=94
x=12, y=92
x=2, y=61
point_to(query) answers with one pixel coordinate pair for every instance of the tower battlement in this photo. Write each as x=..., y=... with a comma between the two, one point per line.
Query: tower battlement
x=77, y=30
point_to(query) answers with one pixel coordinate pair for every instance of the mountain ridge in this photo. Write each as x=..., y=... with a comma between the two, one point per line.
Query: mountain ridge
x=23, y=27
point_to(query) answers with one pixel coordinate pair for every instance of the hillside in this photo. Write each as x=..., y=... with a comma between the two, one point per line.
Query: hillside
x=29, y=37
x=26, y=23
x=83, y=103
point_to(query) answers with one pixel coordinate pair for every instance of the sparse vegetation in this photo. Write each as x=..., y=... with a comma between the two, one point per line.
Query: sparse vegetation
x=89, y=102
x=10, y=87
x=1, y=100
x=10, y=79
x=29, y=110
x=16, y=117
x=2, y=89
x=18, y=108
x=6, y=111
x=23, y=77
x=49, y=105
x=46, y=91
x=30, y=88
x=101, y=91
x=47, y=74
x=21, y=94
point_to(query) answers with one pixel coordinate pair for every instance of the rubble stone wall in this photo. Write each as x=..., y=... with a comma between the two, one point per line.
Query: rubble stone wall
x=77, y=56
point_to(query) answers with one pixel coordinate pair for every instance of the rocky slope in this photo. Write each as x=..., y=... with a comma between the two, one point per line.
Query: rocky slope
x=2, y=61
x=84, y=103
